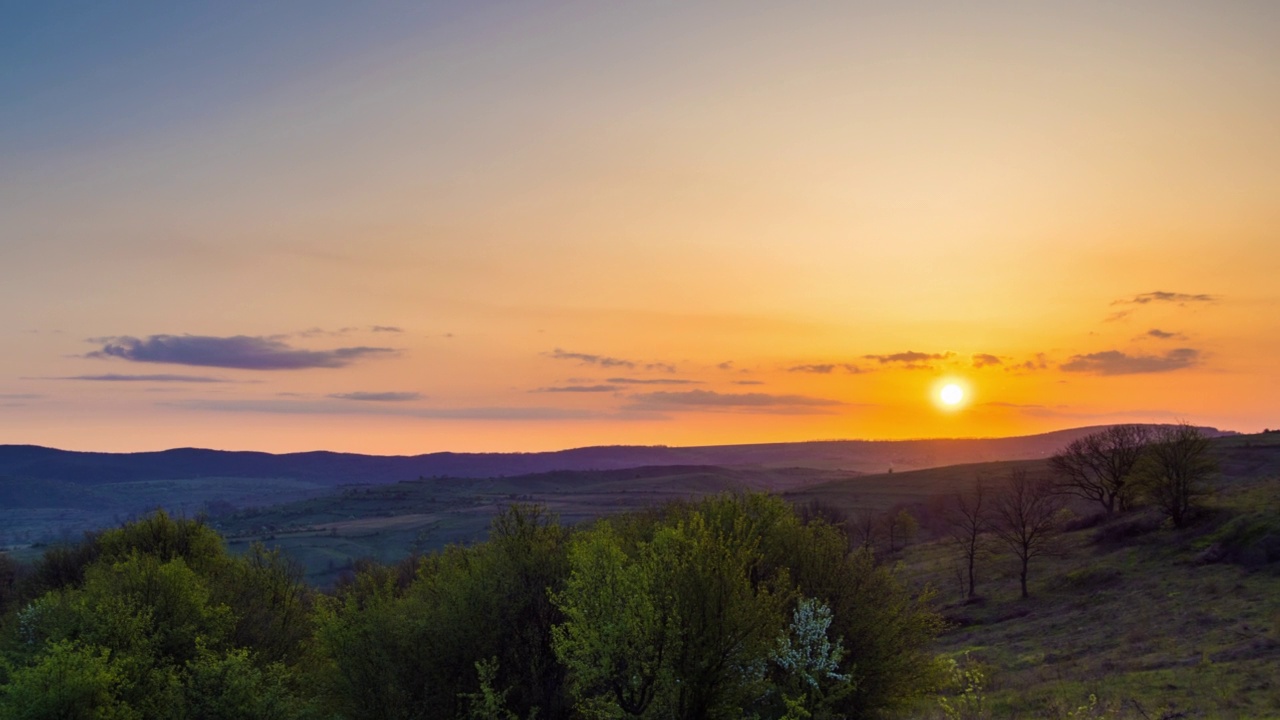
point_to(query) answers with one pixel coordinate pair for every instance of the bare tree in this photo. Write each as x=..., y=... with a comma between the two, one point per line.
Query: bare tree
x=1026, y=518
x=866, y=528
x=968, y=518
x=1099, y=466
x=1177, y=469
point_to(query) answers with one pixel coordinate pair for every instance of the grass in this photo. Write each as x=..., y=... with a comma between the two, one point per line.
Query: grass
x=1131, y=612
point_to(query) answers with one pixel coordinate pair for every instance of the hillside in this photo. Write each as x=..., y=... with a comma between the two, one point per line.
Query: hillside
x=386, y=522
x=48, y=494
x=1151, y=621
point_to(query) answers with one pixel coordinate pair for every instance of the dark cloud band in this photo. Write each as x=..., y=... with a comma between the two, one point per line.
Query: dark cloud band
x=1114, y=362
x=240, y=352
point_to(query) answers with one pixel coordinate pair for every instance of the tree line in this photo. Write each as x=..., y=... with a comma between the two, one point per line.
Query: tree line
x=731, y=607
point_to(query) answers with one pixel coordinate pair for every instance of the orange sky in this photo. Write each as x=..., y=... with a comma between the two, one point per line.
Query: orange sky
x=501, y=227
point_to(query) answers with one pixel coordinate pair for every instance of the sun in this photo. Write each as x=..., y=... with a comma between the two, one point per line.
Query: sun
x=951, y=394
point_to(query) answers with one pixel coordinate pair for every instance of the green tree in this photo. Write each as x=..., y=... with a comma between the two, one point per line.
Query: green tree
x=1177, y=469
x=69, y=682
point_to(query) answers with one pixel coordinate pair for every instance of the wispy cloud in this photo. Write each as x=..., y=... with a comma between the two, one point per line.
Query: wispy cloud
x=748, y=382
x=339, y=407
x=20, y=396
x=377, y=396
x=163, y=378
x=1161, y=296
x=825, y=368
x=910, y=360
x=577, y=389
x=1039, y=362
x=981, y=360
x=711, y=400
x=386, y=329
x=1162, y=335
x=652, y=381
x=241, y=352
x=1114, y=362
x=589, y=359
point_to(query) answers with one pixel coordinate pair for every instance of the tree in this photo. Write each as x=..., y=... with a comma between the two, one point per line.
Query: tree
x=866, y=529
x=899, y=526
x=1027, y=514
x=1099, y=466
x=968, y=518
x=1176, y=471
x=676, y=628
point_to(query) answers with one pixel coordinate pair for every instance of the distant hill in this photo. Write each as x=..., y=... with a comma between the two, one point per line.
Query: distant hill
x=329, y=468
x=48, y=494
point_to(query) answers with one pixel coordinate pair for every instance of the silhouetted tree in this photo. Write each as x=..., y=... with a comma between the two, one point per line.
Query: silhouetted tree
x=899, y=526
x=1099, y=466
x=968, y=518
x=1027, y=515
x=1176, y=470
x=866, y=528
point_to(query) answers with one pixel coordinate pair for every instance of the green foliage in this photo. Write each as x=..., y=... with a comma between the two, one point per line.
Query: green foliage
x=488, y=703
x=963, y=684
x=685, y=616
x=727, y=608
x=232, y=685
x=70, y=681
x=137, y=624
x=391, y=651
x=1176, y=469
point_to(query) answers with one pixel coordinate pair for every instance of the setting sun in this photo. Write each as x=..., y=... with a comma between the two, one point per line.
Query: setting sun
x=951, y=395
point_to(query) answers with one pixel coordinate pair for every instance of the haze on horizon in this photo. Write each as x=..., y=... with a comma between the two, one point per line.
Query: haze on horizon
x=505, y=226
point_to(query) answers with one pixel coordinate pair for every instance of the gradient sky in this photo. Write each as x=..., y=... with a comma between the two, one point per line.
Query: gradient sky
x=407, y=227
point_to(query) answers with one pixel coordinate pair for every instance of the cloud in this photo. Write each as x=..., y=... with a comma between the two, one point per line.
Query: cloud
x=985, y=359
x=1039, y=362
x=20, y=396
x=1161, y=334
x=825, y=368
x=240, y=352
x=601, y=360
x=578, y=389
x=748, y=382
x=711, y=400
x=114, y=377
x=658, y=366
x=386, y=329
x=330, y=407
x=726, y=365
x=1114, y=362
x=377, y=396
x=652, y=381
x=910, y=360
x=1162, y=296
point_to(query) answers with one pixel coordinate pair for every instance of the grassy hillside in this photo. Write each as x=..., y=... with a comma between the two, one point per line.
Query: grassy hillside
x=1151, y=621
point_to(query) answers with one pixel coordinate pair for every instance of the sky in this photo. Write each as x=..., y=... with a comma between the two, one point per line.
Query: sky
x=402, y=227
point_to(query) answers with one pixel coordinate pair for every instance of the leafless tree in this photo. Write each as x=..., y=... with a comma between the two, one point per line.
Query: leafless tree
x=1099, y=466
x=866, y=528
x=1177, y=469
x=968, y=518
x=1027, y=518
